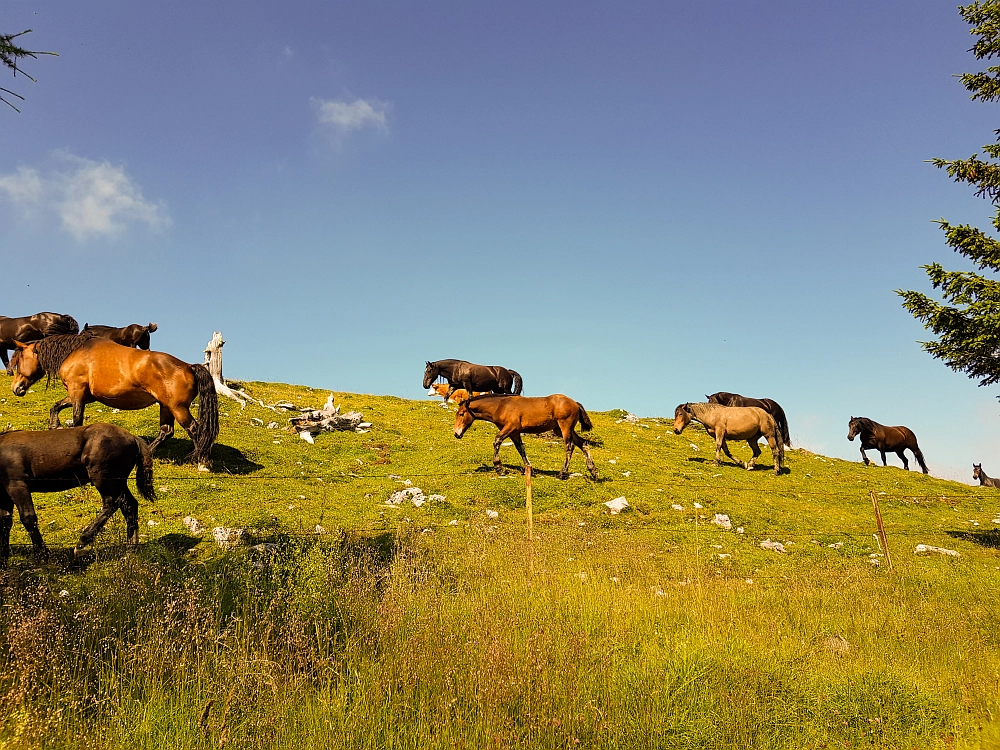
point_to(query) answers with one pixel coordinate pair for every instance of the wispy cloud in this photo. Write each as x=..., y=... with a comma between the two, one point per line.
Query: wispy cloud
x=91, y=199
x=344, y=117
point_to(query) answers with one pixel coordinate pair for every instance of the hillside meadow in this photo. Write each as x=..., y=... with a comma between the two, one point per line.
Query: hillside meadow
x=443, y=626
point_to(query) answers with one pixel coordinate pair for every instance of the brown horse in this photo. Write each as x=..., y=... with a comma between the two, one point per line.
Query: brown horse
x=32, y=328
x=103, y=454
x=984, y=481
x=769, y=405
x=95, y=369
x=517, y=414
x=135, y=335
x=724, y=423
x=462, y=374
x=885, y=439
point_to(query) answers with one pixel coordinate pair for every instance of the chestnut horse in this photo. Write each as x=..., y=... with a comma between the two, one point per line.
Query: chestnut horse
x=984, y=481
x=462, y=374
x=32, y=328
x=95, y=369
x=769, y=405
x=724, y=423
x=101, y=453
x=885, y=439
x=135, y=335
x=517, y=414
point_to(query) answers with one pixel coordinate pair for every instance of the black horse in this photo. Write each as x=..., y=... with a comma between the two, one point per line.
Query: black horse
x=57, y=460
x=462, y=374
x=984, y=480
x=885, y=439
x=32, y=328
x=769, y=405
x=135, y=335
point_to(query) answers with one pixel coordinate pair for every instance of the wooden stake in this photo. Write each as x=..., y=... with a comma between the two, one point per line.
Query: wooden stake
x=881, y=529
x=527, y=486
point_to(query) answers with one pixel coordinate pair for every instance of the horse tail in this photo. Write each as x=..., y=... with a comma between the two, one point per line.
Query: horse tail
x=780, y=439
x=518, y=383
x=782, y=421
x=207, y=426
x=144, y=470
x=585, y=424
x=919, y=456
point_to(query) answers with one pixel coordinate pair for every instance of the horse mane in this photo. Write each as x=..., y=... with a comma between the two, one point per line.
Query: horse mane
x=701, y=407
x=52, y=351
x=866, y=424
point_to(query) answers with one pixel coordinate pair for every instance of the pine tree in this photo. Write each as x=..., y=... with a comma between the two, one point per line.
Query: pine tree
x=967, y=321
x=10, y=53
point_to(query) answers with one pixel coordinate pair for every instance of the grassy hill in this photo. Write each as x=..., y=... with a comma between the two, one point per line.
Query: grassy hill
x=442, y=626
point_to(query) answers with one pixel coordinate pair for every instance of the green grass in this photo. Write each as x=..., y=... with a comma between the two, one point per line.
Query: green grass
x=440, y=626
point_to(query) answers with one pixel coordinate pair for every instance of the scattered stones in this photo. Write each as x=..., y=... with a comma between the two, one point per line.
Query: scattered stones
x=776, y=546
x=927, y=549
x=617, y=505
x=629, y=418
x=722, y=521
x=413, y=494
x=193, y=525
x=228, y=538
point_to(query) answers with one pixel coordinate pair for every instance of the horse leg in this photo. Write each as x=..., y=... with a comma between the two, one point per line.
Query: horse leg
x=586, y=452
x=57, y=407
x=515, y=438
x=756, y=454
x=21, y=496
x=902, y=457
x=570, y=444
x=6, y=362
x=774, y=443
x=882, y=453
x=110, y=507
x=501, y=436
x=166, y=427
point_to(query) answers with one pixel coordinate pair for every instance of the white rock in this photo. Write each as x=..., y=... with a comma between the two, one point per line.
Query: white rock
x=699, y=506
x=436, y=499
x=722, y=521
x=617, y=505
x=739, y=529
x=926, y=549
x=492, y=513
x=226, y=537
x=414, y=494
x=256, y=421
x=453, y=522
x=835, y=545
x=307, y=436
x=63, y=593
x=694, y=447
x=776, y=546
x=151, y=523
x=675, y=506
x=319, y=529
x=193, y=524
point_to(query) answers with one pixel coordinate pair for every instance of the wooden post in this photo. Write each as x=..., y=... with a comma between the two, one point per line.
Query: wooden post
x=527, y=485
x=881, y=529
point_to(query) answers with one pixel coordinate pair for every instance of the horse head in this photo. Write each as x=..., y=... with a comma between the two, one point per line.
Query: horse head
x=977, y=470
x=142, y=338
x=682, y=418
x=463, y=419
x=25, y=368
x=430, y=373
x=854, y=427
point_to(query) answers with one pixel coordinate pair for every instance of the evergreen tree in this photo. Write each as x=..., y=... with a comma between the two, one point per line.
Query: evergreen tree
x=10, y=53
x=967, y=321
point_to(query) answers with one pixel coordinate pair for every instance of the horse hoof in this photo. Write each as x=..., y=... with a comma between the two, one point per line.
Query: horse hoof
x=563, y=475
x=79, y=551
x=202, y=467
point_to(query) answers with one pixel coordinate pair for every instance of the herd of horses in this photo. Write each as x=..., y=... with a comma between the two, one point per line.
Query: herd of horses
x=115, y=367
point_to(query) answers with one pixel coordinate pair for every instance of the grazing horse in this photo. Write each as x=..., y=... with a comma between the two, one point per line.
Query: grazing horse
x=724, y=423
x=885, y=439
x=95, y=369
x=517, y=414
x=984, y=481
x=102, y=454
x=32, y=328
x=135, y=335
x=769, y=405
x=462, y=374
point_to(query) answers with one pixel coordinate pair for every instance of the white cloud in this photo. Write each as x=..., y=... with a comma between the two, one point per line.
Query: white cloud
x=342, y=117
x=91, y=199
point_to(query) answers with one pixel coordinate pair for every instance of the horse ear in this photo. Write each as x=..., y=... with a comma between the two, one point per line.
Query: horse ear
x=151, y=327
x=19, y=345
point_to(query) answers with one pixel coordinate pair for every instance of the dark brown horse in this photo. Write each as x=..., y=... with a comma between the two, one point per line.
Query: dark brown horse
x=95, y=369
x=462, y=374
x=885, y=440
x=135, y=335
x=32, y=328
x=102, y=454
x=517, y=414
x=769, y=405
x=984, y=481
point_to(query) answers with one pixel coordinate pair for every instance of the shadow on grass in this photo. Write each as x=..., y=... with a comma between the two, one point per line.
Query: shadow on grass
x=225, y=460
x=989, y=538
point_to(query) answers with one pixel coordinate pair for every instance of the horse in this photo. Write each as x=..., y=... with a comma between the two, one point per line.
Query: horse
x=517, y=414
x=135, y=335
x=32, y=328
x=984, y=481
x=885, y=439
x=96, y=369
x=769, y=405
x=102, y=454
x=462, y=374
x=749, y=423
x=457, y=396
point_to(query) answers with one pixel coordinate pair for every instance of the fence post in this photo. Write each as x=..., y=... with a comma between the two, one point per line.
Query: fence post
x=527, y=487
x=881, y=529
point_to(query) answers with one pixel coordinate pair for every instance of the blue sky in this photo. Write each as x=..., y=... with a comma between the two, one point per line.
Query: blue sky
x=631, y=203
